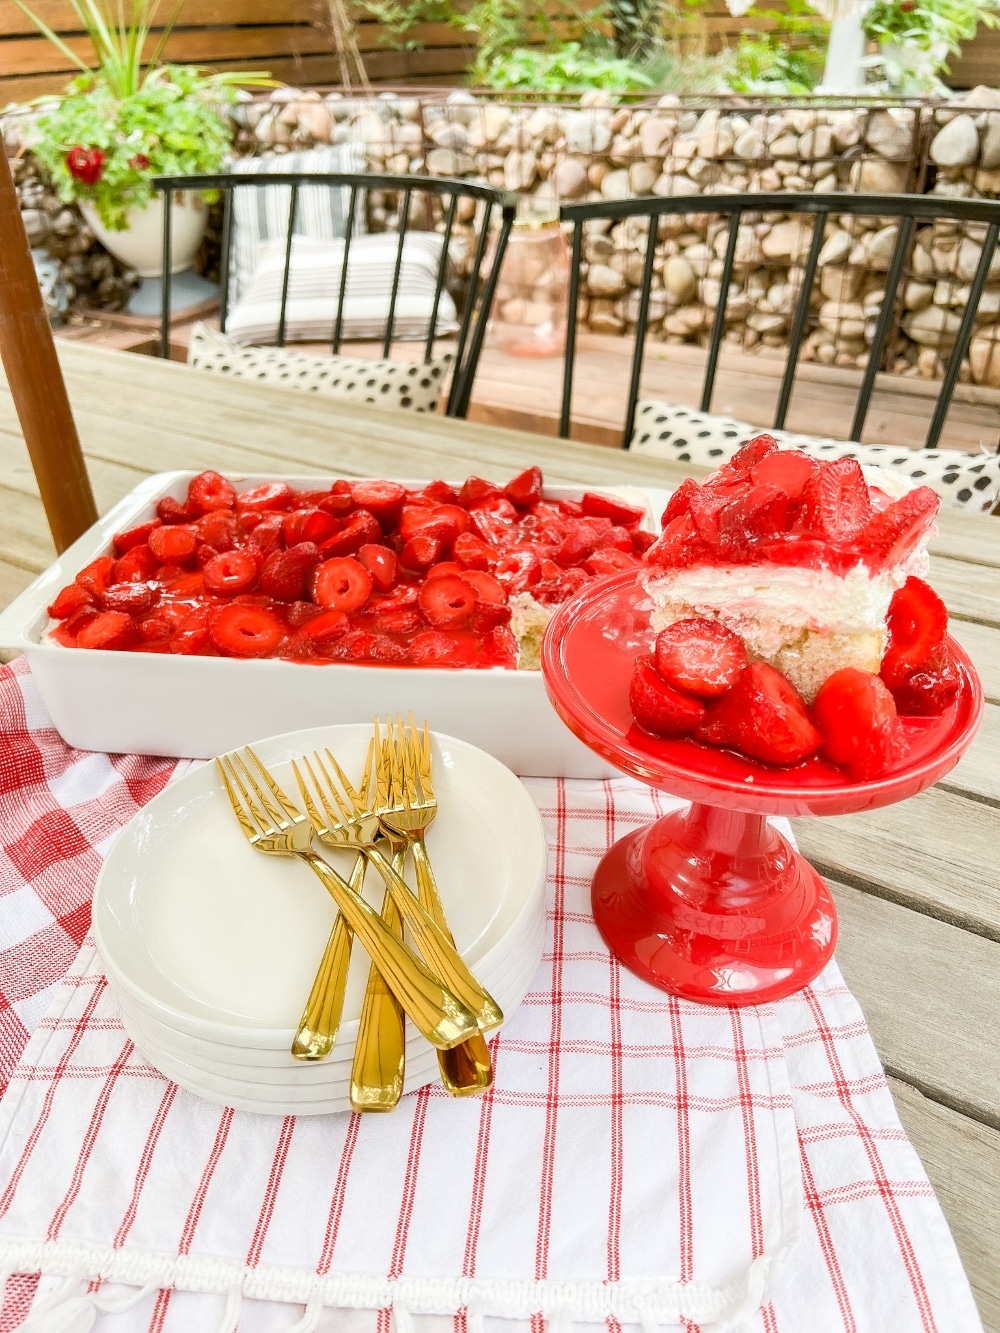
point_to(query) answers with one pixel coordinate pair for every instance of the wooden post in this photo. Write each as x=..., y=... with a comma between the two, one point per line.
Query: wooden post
x=28, y=352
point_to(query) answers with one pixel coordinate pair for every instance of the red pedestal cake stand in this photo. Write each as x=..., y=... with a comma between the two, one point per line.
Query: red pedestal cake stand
x=711, y=902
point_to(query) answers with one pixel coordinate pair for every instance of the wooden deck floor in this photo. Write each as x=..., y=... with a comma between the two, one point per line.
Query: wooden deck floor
x=915, y=884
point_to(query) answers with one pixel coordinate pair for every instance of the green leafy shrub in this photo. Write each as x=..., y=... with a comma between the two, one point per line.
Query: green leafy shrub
x=567, y=67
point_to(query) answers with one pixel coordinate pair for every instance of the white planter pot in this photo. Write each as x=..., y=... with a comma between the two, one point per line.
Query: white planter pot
x=140, y=247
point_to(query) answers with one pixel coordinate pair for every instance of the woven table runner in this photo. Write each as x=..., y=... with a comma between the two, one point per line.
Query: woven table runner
x=641, y=1161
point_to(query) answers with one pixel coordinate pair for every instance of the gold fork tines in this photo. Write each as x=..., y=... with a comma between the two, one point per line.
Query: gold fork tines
x=350, y=820
x=274, y=825
x=466, y=1069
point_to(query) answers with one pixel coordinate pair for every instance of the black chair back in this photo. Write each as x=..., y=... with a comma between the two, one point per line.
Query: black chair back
x=492, y=205
x=909, y=209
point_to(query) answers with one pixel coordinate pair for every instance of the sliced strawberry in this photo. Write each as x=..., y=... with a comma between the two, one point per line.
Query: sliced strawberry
x=758, y=513
x=642, y=541
x=678, y=545
x=174, y=545
x=444, y=567
x=338, y=501
x=403, y=595
x=136, y=566
x=96, y=576
x=191, y=636
x=110, y=630
x=679, y=503
x=342, y=584
x=891, y=536
x=209, y=491
x=835, y=501
x=267, y=535
x=134, y=599
x=526, y=488
x=230, y=573
x=518, y=570
x=856, y=717
x=445, y=522
x=501, y=645
x=327, y=627
x=493, y=529
x=448, y=600
x=218, y=529
x=68, y=600
x=265, y=497
x=706, y=505
x=381, y=562
x=595, y=505
x=487, y=615
x=285, y=575
x=124, y=541
x=155, y=629
x=753, y=452
x=308, y=525
x=383, y=499
x=931, y=688
x=434, y=648
x=169, y=510
x=75, y=623
x=700, y=656
x=361, y=529
x=488, y=589
x=609, y=561
x=440, y=492
x=298, y=614
x=296, y=647
x=238, y=630
x=916, y=623
x=788, y=469
x=763, y=716
x=420, y=552
x=407, y=620
x=658, y=707
x=389, y=651
x=562, y=588
x=472, y=552
x=475, y=490
x=576, y=547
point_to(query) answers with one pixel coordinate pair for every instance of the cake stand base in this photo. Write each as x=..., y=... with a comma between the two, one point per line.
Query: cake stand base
x=714, y=905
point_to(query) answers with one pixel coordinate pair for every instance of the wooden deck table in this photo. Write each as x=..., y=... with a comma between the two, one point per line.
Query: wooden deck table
x=916, y=884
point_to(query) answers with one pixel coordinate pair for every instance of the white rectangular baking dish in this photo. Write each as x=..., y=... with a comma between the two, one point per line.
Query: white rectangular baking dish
x=197, y=707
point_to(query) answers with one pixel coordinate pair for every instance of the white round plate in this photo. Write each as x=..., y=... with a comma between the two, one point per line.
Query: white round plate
x=218, y=944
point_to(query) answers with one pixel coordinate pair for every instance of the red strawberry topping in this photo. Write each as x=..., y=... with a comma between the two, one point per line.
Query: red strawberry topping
x=169, y=510
x=658, y=707
x=96, y=576
x=700, y=656
x=835, y=501
x=174, y=545
x=892, y=535
x=361, y=529
x=265, y=496
x=327, y=627
x=230, y=573
x=448, y=600
x=136, y=566
x=135, y=599
x=856, y=717
x=381, y=563
x=488, y=589
x=595, y=505
x=788, y=469
x=238, y=630
x=917, y=623
x=68, y=600
x=110, y=629
x=124, y=541
x=931, y=688
x=753, y=452
x=434, y=648
x=209, y=491
x=383, y=499
x=285, y=574
x=763, y=716
x=420, y=552
x=472, y=552
x=342, y=584
x=526, y=488
x=476, y=490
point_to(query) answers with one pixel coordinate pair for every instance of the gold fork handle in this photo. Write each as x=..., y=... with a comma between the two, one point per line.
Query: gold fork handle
x=436, y=948
x=466, y=1069
x=321, y=1017
x=380, y=1053
x=436, y=1012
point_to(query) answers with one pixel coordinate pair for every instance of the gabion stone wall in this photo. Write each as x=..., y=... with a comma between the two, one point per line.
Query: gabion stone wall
x=593, y=147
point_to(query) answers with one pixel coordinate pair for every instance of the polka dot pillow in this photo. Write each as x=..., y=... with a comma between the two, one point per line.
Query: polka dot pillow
x=415, y=385
x=964, y=481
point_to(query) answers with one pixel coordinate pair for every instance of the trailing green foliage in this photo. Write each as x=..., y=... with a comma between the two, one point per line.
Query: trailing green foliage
x=569, y=66
x=929, y=23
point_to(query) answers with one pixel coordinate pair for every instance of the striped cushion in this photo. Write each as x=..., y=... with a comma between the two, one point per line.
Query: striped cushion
x=314, y=289
x=415, y=385
x=261, y=215
x=964, y=481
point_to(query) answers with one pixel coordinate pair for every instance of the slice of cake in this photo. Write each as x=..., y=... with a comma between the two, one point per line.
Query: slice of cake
x=799, y=558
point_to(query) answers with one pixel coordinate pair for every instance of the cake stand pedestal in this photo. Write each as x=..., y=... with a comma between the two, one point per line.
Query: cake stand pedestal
x=711, y=902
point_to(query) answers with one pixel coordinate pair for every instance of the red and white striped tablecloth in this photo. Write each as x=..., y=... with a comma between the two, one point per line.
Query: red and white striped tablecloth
x=641, y=1162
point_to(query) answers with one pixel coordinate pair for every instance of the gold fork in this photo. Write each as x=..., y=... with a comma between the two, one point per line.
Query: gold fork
x=357, y=825
x=380, y=1053
x=272, y=824
x=321, y=1017
x=465, y=1069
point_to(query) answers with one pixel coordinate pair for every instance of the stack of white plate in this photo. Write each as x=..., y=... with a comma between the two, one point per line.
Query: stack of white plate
x=210, y=948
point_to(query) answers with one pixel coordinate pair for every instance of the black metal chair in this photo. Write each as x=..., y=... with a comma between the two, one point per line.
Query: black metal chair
x=909, y=209
x=480, y=282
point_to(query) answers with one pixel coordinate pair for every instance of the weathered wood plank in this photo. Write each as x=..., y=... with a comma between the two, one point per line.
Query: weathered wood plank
x=982, y=643
x=935, y=853
x=962, y=1159
x=972, y=592
x=978, y=773
x=931, y=995
x=971, y=537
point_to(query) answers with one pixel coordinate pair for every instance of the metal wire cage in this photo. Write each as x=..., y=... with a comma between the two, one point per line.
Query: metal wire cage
x=905, y=210
x=494, y=212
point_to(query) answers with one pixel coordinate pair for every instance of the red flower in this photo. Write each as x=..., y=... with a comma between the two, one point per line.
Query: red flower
x=85, y=164
x=139, y=163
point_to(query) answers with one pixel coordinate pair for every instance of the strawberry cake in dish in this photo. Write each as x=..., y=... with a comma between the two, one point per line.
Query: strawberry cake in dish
x=791, y=613
x=366, y=572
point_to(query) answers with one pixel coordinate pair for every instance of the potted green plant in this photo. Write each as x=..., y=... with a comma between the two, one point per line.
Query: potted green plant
x=916, y=37
x=126, y=120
